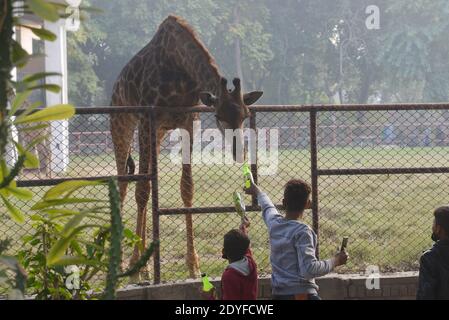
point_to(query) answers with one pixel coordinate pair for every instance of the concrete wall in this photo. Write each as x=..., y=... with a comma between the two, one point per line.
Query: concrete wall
x=399, y=286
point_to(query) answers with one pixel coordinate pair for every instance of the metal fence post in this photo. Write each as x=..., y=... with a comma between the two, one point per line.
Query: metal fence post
x=314, y=172
x=155, y=197
x=253, y=126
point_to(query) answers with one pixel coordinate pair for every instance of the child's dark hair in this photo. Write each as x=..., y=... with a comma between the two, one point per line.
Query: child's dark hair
x=236, y=243
x=296, y=195
x=442, y=218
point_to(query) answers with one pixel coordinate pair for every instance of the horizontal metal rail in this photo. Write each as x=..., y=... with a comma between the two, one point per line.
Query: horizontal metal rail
x=53, y=182
x=350, y=107
x=271, y=108
x=204, y=210
x=379, y=171
x=265, y=108
x=153, y=111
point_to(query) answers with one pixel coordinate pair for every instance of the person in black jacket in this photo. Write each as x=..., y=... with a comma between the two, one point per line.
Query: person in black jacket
x=434, y=263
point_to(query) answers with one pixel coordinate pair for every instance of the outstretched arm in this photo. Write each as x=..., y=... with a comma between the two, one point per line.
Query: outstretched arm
x=244, y=226
x=269, y=211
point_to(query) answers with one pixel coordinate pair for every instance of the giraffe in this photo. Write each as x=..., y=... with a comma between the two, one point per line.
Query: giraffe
x=173, y=69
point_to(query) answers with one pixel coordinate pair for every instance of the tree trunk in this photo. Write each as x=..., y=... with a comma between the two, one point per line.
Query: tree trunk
x=6, y=33
x=364, y=90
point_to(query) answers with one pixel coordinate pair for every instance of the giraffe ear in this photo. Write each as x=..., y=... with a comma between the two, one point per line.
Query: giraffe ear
x=207, y=98
x=251, y=97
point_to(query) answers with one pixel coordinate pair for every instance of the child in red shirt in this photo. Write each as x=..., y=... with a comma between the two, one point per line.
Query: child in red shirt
x=239, y=280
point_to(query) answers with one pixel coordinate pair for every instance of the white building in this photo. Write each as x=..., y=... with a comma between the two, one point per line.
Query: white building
x=51, y=57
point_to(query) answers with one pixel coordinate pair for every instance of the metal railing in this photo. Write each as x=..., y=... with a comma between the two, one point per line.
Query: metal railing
x=313, y=111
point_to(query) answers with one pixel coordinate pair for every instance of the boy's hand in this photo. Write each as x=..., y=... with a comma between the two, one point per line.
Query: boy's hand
x=245, y=225
x=252, y=190
x=245, y=222
x=341, y=258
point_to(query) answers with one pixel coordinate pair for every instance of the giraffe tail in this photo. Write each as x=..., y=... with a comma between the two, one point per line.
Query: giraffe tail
x=130, y=165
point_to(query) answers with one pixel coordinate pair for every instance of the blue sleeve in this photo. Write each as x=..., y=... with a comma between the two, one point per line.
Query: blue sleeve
x=269, y=211
x=309, y=266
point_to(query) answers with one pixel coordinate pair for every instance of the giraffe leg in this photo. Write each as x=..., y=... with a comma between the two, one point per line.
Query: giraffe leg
x=122, y=132
x=187, y=189
x=143, y=188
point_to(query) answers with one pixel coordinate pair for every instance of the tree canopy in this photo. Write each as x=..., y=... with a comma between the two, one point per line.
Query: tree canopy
x=296, y=51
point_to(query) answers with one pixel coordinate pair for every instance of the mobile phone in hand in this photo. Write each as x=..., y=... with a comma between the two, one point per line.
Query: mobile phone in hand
x=344, y=243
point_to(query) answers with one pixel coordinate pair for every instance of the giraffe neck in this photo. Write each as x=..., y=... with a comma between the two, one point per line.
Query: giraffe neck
x=192, y=56
x=204, y=71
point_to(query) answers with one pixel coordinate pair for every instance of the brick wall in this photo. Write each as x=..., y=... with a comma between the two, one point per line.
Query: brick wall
x=398, y=286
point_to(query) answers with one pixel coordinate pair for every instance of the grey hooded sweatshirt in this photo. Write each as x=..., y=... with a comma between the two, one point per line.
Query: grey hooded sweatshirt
x=293, y=260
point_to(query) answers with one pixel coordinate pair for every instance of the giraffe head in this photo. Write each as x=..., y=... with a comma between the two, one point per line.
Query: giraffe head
x=231, y=109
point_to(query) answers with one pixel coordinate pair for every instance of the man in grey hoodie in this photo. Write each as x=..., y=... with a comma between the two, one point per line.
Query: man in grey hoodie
x=293, y=245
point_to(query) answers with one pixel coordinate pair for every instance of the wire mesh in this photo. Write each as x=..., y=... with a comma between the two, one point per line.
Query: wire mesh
x=387, y=217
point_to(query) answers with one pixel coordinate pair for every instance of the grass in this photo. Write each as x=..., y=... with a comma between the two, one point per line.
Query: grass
x=387, y=217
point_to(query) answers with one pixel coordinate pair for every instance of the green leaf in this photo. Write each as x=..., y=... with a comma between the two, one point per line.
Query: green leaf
x=4, y=192
x=69, y=260
x=48, y=86
x=40, y=75
x=15, y=213
x=19, y=101
x=19, y=56
x=20, y=193
x=31, y=160
x=127, y=233
x=44, y=10
x=76, y=247
x=28, y=110
x=68, y=187
x=27, y=238
x=59, y=202
x=57, y=112
x=69, y=212
x=44, y=34
x=87, y=215
x=4, y=173
x=59, y=248
x=72, y=223
x=92, y=245
x=37, y=217
x=63, y=211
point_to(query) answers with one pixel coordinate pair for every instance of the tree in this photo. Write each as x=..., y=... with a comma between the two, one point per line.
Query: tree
x=84, y=87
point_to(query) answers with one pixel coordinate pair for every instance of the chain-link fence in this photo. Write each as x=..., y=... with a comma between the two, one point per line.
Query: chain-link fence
x=377, y=173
